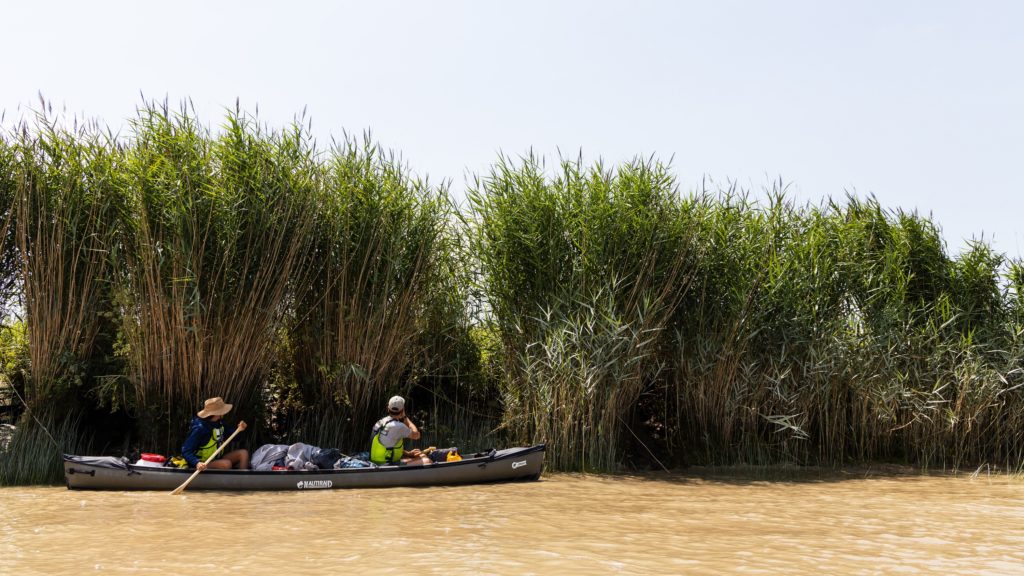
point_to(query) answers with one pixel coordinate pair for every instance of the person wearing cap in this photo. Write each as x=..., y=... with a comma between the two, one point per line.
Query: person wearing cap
x=389, y=433
x=207, y=433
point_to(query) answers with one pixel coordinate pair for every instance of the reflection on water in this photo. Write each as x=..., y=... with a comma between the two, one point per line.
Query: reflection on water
x=562, y=524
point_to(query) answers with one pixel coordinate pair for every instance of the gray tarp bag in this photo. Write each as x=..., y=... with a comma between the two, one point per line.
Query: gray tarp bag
x=298, y=456
x=307, y=457
x=119, y=463
x=301, y=457
x=267, y=456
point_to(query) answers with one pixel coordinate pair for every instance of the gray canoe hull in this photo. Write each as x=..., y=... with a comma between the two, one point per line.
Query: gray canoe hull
x=86, y=473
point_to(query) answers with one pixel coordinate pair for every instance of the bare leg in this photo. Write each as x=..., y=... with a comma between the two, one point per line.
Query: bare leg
x=238, y=459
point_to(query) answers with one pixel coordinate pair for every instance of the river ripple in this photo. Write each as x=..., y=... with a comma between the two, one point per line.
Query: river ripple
x=563, y=524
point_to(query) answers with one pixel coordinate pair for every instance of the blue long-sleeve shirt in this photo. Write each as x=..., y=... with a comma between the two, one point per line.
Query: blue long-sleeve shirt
x=199, y=434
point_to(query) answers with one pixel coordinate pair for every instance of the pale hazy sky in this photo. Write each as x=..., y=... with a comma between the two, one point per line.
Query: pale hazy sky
x=919, y=103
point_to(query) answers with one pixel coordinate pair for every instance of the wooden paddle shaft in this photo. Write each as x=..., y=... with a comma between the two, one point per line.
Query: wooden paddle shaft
x=216, y=453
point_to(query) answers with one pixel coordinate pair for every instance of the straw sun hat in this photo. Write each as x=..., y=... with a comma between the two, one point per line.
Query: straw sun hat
x=214, y=407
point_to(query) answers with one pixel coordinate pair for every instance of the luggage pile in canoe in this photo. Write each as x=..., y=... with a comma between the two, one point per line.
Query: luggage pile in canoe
x=111, y=473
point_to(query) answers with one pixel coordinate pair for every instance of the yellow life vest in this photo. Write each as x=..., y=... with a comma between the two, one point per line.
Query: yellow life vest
x=379, y=454
x=207, y=450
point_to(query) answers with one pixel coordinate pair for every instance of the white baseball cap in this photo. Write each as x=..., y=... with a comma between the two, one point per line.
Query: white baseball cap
x=396, y=404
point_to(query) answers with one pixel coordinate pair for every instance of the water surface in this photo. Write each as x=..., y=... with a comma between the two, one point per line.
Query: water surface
x=563, y=524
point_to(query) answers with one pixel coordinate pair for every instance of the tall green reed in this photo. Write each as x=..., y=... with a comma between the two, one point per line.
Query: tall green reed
x=66, y=206
x=216, y=244
x=582, y=271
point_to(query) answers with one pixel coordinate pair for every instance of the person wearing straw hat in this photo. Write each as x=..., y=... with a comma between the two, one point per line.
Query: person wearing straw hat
x=387, y=445
x=206, y=434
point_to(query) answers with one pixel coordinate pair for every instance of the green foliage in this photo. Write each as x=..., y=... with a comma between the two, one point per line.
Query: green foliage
x=14, y=351
x=1015, y=292
x=8, y=242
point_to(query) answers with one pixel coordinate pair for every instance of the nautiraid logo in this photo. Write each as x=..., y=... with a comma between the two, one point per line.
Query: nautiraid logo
x=312, y=484
x=519, y=464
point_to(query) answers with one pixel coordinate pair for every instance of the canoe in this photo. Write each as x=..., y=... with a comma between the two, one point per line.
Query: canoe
x=110, y=473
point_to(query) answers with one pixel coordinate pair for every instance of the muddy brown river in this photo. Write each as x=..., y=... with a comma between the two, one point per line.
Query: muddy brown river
x=564, y=524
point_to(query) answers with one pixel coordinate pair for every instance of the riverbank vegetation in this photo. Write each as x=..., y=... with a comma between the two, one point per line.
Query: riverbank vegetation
x=599, y=309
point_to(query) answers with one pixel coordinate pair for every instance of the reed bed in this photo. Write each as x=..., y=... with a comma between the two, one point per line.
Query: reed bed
x=788, y=334
x=838, y=334
x=596, y=308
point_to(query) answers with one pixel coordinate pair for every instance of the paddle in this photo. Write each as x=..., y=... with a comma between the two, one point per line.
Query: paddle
x=216, y=453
